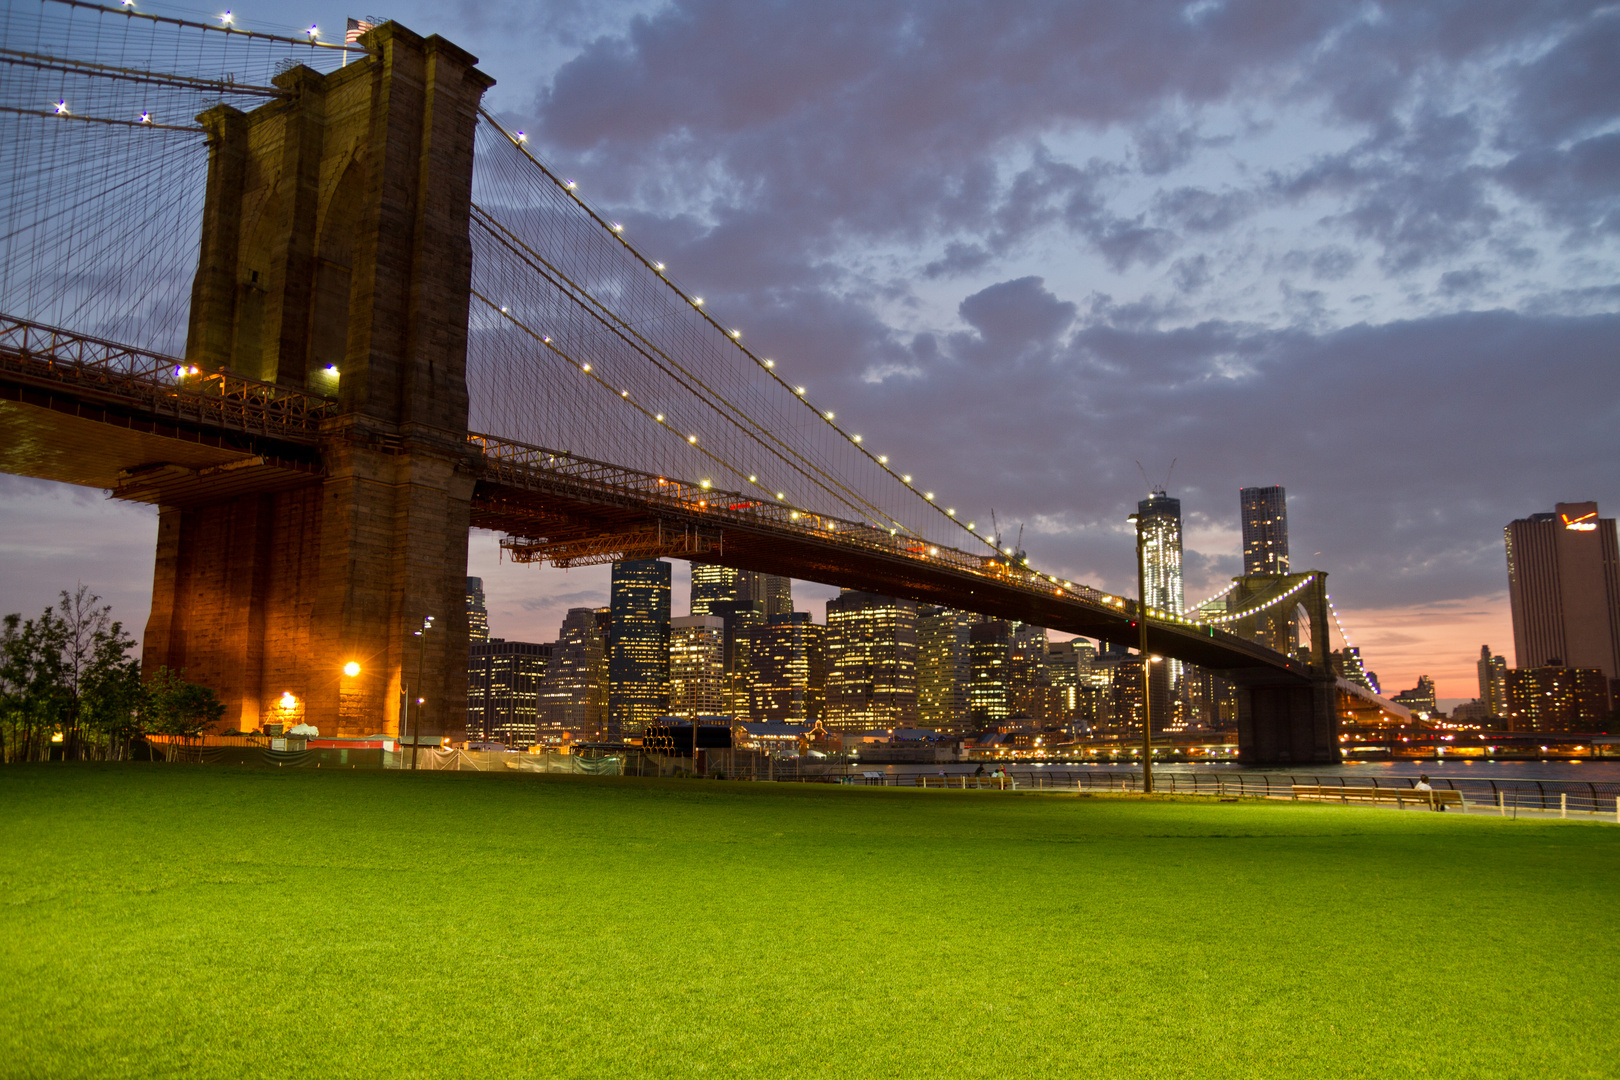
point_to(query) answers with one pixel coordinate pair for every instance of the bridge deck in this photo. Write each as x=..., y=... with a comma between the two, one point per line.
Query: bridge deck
x=147, y=428
x=560, y=497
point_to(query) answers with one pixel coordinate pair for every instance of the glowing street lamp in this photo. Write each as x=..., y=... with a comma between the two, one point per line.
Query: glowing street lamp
x=421, y=664
x=1142, y=648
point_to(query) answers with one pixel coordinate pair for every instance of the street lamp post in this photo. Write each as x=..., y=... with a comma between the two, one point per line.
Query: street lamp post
x=1147, y=663
x=421, y=665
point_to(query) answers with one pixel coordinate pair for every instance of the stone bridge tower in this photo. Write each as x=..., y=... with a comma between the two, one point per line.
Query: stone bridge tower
x=335, y=258
x=1288, y=723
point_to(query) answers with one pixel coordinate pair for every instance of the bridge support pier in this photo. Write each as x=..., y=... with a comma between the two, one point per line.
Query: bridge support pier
x=1295, y=724
x=335, y=258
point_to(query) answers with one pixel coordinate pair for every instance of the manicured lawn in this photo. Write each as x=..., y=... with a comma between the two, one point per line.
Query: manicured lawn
x=198, y=921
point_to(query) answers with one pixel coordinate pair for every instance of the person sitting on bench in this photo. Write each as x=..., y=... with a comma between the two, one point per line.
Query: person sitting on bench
x=1423, y=785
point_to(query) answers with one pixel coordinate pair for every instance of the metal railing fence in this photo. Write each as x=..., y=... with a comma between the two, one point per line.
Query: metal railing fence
x=1573, y=796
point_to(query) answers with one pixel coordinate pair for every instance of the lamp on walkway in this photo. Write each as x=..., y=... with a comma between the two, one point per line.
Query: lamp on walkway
x=421, y=664
x=1142, y=648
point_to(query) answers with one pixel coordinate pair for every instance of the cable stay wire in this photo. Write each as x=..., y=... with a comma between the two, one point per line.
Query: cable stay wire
x=728, y=411
x=151, y=78
x=585, y=368
x=657, y=272
x=224, y=28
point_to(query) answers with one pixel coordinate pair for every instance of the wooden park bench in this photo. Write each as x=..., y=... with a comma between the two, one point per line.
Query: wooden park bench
x=1437, y=799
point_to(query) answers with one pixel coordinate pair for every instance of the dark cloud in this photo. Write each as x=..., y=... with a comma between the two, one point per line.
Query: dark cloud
x=1573, y=87
x=1199, y=211
x=1323, y=264
x=755, y=140
x=1463, y=282
x=1017, y=313
x=1578, y=188
x=893, y=119
x=1412, y=189
x=1191, y=274
x=888, y=118
x=959, y=258
x=1161, y=148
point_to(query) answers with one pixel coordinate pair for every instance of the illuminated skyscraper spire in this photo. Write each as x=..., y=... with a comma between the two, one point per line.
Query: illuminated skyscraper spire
x=1161, y=541
x=1161, y=536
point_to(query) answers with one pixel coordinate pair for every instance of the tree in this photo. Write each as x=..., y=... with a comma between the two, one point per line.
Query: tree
x=104, y=703
x=180, y=708
x=68, y=674
x=33, y=691
x=113, y=702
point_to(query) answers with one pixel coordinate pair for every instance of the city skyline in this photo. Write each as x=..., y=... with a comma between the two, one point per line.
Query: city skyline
x=531, y=600
x=1308, y=258
x=885, y=663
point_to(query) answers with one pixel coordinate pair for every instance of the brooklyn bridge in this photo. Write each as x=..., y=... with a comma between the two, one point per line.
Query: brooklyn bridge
x=328, y=313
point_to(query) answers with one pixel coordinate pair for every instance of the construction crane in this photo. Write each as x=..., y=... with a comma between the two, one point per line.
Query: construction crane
x=1017, y=550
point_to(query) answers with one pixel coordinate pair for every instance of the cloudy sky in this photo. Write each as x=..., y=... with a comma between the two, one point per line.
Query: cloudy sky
x=1370, y=252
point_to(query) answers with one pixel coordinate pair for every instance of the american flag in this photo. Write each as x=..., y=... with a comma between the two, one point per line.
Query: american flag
x=356, y=28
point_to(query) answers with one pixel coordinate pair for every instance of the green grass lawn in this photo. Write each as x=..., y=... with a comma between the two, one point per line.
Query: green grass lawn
x=197, y=921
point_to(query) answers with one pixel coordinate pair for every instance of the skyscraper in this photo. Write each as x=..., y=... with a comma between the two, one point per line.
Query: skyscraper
x=638, y=650
x=1265, y=551
x=1063, y=673
x=1564, y=587
x=740, y=619
x=504, y=681
x=477, y=613
x=697, y=666
x=713, y=585
x=1348, y=663
x=871, y=662
x=1161, y=540
x=1420, y=699
x=944, y=668
x=1265, y=530
x=1557, y=698
x=1160, y=522
x=1125, y=693
x=789, y=681
x=575, y=690
x=1030, y=693
x=1492, y=682
x=477, y=667
x=777, y=592
x=990, y=672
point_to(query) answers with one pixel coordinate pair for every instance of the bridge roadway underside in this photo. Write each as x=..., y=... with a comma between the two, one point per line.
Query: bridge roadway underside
x=801, y=554
x=104, y=442
x=1287, y=711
